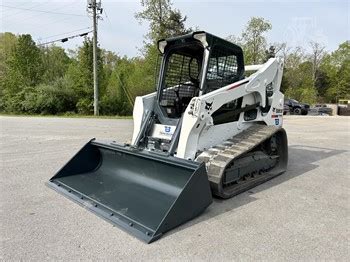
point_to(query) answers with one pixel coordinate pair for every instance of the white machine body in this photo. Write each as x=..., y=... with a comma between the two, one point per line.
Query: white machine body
x=198, y=131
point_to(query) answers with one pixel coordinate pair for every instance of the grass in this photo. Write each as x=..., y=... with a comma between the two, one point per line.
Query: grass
x=67, y=116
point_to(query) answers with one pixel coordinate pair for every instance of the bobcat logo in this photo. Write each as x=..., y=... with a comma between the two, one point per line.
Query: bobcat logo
x=167, y=129
x=208, y=106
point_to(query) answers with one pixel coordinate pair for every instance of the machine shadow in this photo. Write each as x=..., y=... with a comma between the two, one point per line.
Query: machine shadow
x=302, y=159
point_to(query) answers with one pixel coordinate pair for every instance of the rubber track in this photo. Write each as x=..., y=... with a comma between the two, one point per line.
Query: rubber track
x=219, y=157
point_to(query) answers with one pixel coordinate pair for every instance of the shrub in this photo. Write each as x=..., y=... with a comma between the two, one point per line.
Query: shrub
x=48, y=99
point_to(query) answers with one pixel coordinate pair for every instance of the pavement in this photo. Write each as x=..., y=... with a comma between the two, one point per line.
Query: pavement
x=300, y=215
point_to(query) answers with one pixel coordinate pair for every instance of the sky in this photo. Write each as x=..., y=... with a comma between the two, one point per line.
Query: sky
x=295, y=22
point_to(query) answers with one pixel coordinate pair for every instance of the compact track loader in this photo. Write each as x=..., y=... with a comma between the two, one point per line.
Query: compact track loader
x=207, y=130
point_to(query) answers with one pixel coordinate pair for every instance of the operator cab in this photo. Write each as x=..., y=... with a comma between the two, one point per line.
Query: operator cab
x=181, y=78
x=192, y=65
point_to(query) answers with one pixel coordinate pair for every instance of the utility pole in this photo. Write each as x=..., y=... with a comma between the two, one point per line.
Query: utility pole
x=96, y=10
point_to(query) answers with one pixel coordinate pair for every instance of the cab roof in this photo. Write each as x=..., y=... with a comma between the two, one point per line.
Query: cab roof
x=207, y=39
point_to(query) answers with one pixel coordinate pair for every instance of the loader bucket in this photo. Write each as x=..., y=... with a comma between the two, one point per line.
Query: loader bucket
x=144, y=193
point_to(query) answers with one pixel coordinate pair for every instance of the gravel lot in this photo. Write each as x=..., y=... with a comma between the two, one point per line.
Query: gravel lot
x=301, y=215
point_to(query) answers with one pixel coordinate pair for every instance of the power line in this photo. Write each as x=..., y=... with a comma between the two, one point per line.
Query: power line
x=126, y=91
x=30, y=17
x=46, y=25
x=65, y=39
x=14, y=12
x=58, y=21
x=40, y=11
x=29, y=7
x=107, y=17
x=85, y=28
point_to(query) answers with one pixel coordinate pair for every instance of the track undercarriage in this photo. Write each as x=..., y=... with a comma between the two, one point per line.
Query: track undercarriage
x=245, y=161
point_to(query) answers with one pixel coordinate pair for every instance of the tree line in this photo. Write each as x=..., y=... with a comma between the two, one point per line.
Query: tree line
x=51, y=80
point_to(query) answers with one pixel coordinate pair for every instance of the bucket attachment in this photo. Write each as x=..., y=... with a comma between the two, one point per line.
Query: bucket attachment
x=144, y=193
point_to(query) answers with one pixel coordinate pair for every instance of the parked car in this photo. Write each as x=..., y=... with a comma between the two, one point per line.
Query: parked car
x=320, y=109
x=297, y=108
x=286, y=110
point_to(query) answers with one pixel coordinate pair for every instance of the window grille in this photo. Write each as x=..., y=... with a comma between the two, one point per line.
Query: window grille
x=178, y=78
x=222, y=68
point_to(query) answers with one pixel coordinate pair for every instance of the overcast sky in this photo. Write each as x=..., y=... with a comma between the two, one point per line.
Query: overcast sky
x=295, y=22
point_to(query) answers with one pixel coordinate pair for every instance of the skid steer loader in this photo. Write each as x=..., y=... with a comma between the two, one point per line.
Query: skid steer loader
x=207, y=130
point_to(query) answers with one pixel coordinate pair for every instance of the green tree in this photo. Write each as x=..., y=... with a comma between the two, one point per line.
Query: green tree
x=254, y=40
x=292, y=57
x=336, y=68
x=55, y=63
x=26, y=60
x=300, y=83
x=8, y=42
x=164, y=21
x=317, y=54
x=341, y=87
x=117, y=99
x=23, y=69
x=54, y=98
x=80, y=73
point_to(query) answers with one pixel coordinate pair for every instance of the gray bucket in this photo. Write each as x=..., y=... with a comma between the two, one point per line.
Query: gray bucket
x=144, y=193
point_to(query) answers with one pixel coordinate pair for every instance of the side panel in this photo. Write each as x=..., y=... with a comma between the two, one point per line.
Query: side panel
x=143, y=104
x=198, y=119
x=192, y=126
x=210, y=137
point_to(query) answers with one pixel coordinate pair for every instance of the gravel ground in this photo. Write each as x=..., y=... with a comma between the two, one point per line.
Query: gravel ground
x=300, y=215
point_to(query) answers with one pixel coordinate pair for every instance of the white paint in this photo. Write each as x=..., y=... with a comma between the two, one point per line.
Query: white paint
x=198, y=131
